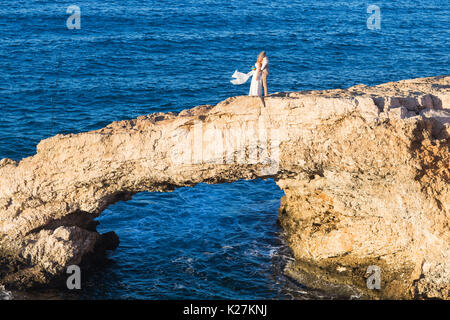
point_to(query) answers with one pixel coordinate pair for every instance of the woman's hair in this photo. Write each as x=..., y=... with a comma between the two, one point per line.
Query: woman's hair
x=261, y=56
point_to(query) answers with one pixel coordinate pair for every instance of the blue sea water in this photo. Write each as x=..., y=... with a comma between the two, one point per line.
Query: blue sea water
x=135, y=57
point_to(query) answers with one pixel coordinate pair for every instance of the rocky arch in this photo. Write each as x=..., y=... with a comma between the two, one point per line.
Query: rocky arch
x=364, y=170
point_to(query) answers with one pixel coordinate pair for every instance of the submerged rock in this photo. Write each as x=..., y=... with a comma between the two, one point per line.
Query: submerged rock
x=365, y=173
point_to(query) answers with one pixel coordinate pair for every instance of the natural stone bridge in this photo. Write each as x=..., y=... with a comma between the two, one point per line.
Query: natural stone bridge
x=365, y=173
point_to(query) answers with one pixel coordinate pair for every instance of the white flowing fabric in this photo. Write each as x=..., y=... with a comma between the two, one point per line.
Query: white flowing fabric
x=241, y=78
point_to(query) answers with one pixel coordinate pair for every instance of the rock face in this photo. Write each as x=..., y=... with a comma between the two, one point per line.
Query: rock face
x=365, y=173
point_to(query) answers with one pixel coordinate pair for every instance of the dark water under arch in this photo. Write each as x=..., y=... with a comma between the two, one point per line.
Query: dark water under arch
x=209, y=241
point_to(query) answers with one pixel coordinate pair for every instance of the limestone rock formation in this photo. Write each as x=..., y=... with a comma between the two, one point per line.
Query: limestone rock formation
x=365, y=173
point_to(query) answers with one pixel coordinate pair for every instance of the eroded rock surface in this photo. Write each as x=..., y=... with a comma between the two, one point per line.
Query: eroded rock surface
x=365, y=172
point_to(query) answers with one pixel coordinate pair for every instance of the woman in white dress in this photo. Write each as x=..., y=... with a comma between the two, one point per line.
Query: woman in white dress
x=256, y=84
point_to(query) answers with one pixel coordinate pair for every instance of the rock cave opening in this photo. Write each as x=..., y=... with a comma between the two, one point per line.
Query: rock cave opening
x=207, y=241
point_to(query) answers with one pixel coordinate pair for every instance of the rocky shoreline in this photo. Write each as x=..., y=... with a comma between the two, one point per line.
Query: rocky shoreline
x=365, y=173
